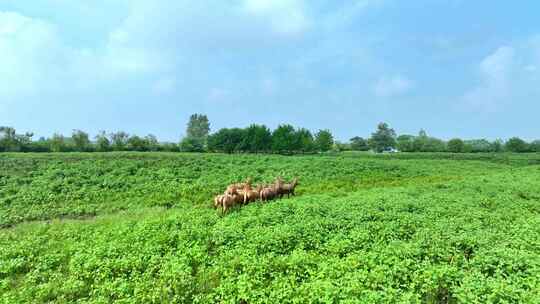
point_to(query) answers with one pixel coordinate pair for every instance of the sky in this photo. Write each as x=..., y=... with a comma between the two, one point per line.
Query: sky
x=455, y=68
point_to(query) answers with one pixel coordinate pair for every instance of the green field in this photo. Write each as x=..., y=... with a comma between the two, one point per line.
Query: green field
x=139, y=228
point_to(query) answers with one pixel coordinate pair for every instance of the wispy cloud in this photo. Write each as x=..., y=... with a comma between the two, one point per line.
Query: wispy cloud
x=393, y=86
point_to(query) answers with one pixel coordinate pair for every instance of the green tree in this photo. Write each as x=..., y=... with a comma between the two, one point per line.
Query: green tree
x=359, y=144
x=256, y=138
x=8, y=140
x=339, y=146
x=456, y=145
x=189, y=144
x=535, y=146
x=136, y=143
x=304, y=141
x=383, y=139
x=478, y=146
x=227, y=140
x=119, y=141
x=497, y=145
x=57, y=143
x=283, y=139
x=169, y=147
x=152, y=143
x=324, y=140
x=103, y=144
x=81, y=140
x=405, y=143
x=198, y=127
x=516, y=144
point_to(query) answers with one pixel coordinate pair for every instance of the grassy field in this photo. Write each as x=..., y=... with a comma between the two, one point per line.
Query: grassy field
x=139, y=228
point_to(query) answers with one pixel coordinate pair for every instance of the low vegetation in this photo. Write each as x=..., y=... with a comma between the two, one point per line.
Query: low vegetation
x=140, y=228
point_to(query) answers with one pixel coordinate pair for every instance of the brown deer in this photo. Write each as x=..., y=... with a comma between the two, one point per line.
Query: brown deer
x=289, y=188
x=234, y=188
x=278, y=187
x=249, y=194
x=227, y=201
x=268, y=193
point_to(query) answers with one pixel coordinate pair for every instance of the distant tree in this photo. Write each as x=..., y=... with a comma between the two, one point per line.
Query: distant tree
x=41, y=145
x=136, y=143
x=456, y=145
x=535, y=146
x=359, y=144
x=430, y=144
x=283, y=139
x=189, y=144
x=256, y=138
x=384, y=138
x=198, y=127
x=25, y=142
x=304, y=141
x=340, y=146
x=497, y=146
x=169, y=147
x=103, y=144
x=516, y=144
x=152, y=143
x=425, y=143
x=57, y=143
x=405, y=143
x=119, y=141
x=421, y=141
x=324, y=140
x=8, y=140
x=81, y=140
x=478, y=146
x=227, y=140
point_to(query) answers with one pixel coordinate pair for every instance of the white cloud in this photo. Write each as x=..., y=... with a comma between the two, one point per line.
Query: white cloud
x=285, y=16
x=27, y=48
x=393, y=86
x=348, y=12
x=495, y=84
x=506, y=75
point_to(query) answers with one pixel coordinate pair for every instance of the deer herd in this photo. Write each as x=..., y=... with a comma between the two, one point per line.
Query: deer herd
x=243, y=193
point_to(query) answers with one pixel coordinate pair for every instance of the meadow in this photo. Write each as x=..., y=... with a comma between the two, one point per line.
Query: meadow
x=395, y=228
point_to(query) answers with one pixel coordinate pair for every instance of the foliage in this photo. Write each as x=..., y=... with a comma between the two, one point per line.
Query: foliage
x=257, y=138
x=103, y=144
x=456, y=145
x=190, y=144
x=304, y=141
x=478, y=146
x=57, y=143
x=359, y=144
x=516, y=144
x=405, y=143
x=227, y=140
x=324, y=140
x=198, y=127
x=425, y=143
x=284, y=139
x=119, y=140
x=436, y=228
x=383, y=139
x=535, y=146
x=253, y=139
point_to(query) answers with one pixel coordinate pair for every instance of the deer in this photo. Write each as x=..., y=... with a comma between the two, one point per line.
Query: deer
x=289, y=188
x=233, y=188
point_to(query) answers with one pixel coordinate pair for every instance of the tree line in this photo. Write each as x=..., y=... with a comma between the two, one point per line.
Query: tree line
x=285, y=139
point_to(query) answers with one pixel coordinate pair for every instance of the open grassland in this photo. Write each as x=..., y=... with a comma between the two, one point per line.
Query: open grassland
x=133, y=227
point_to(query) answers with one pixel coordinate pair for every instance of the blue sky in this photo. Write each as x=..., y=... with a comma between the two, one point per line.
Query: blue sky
x=456, y=68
